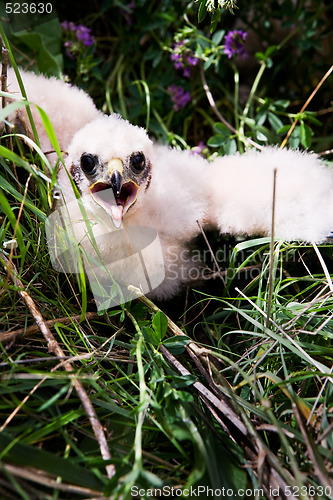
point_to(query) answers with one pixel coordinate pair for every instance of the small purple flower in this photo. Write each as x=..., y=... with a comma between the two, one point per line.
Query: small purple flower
x=179, y=96
x=83, y=35
x=78, y=37
x=183, y=58
x=68, y=26
x=68, y=46
x=234, y=43
x=197, y=150
x=178, y=65
x=192, y=61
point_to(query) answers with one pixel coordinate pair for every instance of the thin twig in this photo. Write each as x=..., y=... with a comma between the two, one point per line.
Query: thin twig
x=271, y=253
x=212, y=103
x=206, y=393
x=6, y=337
x=55, y=348
x=47, y=480
x=305, y=105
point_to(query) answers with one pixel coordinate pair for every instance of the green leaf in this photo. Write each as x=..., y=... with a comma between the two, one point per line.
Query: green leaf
x=306, y=135
x=177, y=343
x=261, y=137
x=260, y=56
x=221, y=129
x=309, y=115
x=160, y=324
x=281, y=103
x=217, y=37
x=283, y=130
x=295, y=138
x=202, y=11
x=209, y=62
x=230, y=147
x=270, y=50
x=261, y=116
x=274, y=121
x=151, y=336
x=216, y=141
x=215, y=19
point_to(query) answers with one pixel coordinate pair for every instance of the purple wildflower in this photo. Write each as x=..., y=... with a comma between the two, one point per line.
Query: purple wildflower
x=192, y=61
x=68, y=46
x=77, y=37
x=183, y=58
x=83, y=35
x=179, y=96
x=68, y=26
x=234, y=43
x=197, y=150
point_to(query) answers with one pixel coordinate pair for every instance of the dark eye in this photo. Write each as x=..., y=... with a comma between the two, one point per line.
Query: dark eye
x=89, y=163
x=137, y=162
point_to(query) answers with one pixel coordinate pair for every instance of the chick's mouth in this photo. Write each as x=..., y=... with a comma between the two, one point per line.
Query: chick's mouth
x=115, y=204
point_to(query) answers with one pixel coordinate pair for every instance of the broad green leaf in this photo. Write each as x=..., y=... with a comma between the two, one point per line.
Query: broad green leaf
x=306, y=135
x=216, y=141
x=151, y=336
x=160, y=324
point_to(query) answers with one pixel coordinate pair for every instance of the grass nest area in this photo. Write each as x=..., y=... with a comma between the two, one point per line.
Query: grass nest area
x=225, y=391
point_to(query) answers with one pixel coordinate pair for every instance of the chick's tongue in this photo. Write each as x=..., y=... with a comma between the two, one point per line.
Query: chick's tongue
x=116, y=214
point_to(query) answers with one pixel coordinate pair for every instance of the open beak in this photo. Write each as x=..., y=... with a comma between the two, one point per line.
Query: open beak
x=115, y=195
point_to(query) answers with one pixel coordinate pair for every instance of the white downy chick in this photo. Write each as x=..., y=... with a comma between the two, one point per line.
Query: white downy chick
x=130, y=186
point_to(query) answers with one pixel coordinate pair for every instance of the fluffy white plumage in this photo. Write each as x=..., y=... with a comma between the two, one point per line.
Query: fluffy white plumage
x=170, y=190
x=241, y=194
